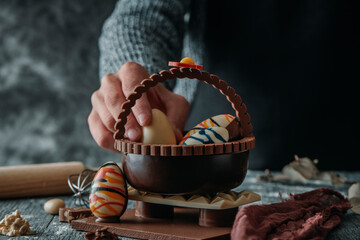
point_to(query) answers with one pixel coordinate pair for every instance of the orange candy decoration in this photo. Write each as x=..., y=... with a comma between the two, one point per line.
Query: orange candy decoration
x=187, y=60
x=186, y=63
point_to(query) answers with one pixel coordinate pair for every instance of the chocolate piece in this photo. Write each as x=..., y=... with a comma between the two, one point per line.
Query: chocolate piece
x=183, y=226
x=101, y=234
x=174, y=73
x=69, y=214
x=111, y=219
x=217, y=218
x=186, y=174
x=223, y=200
x=151, y=210
x=207, y=217
x=63, y=215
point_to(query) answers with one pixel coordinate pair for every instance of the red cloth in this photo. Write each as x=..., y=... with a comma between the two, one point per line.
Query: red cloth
x=309, y=215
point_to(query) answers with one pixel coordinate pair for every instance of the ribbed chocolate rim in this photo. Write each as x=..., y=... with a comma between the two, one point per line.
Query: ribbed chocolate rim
x=126, y=146
x=246, y=143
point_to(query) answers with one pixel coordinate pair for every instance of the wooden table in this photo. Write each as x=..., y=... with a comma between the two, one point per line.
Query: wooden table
x=48, y=226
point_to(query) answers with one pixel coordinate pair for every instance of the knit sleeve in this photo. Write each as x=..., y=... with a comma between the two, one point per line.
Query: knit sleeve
x=148, y=32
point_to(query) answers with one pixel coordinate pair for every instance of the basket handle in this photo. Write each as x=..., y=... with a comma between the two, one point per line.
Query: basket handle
x=221, y=85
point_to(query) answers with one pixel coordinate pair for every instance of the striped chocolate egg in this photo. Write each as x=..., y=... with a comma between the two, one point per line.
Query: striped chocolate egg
x=207, y=136
x=109, y=195
x=222, y=120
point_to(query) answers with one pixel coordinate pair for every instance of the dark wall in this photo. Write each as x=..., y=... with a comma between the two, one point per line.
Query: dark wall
x=296, y=66
x=48, y=70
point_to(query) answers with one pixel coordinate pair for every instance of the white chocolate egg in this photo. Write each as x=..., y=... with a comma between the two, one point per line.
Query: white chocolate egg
x=207, y=136
x=159, y=131
x=109, y=195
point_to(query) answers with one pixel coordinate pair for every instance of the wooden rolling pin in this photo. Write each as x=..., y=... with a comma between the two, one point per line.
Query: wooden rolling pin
x=37, y=179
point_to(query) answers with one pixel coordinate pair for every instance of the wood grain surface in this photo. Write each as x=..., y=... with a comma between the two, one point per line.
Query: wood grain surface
x=48, y=226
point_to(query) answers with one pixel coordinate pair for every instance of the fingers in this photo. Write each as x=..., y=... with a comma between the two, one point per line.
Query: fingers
x=97, y=100
x=112, y=94
x=177, y=109
x=133, y=129
x=155, y=100
x=177, y=114
x=100, y=133
x=131, y=74
x=107, y=102
x=108, y=105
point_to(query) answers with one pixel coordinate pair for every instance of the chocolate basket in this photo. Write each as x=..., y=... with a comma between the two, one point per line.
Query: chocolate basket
x=185, y=169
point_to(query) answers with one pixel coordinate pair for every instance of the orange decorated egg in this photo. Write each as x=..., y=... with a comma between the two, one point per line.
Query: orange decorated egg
x=211, y=130
x=108, y=197
x=207, y=136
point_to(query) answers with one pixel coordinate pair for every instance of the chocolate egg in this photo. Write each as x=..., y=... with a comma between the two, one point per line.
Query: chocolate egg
x=108, y=198
x=221, y=120
x=159, y=131
x=227, y=121
x=208, y=135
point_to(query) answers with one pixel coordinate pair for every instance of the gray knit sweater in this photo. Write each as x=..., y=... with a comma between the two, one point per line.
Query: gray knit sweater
x=152, y=33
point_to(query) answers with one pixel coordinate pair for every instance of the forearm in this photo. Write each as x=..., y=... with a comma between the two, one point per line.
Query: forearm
x=147, y=32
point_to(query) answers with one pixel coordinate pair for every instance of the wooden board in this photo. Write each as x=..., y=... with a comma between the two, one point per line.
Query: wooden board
x=183, y=226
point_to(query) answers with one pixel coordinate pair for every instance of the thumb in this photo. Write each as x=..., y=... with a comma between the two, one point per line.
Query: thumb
x=131, y=74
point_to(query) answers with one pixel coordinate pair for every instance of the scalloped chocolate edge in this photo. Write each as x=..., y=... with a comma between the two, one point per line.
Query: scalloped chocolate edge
x=242, y=145
x=215, y=81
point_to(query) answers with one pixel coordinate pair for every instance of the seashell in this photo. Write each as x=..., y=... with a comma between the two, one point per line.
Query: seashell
x=354, y=191
x=108, y=198
x=354, y=197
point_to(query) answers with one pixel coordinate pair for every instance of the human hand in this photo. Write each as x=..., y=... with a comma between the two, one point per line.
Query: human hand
x=115, y=88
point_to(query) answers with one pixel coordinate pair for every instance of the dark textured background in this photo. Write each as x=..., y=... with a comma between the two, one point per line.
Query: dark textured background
x=48, y=70
x=294, y=63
